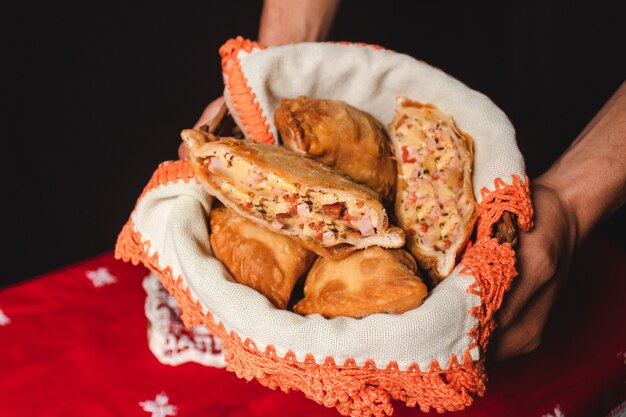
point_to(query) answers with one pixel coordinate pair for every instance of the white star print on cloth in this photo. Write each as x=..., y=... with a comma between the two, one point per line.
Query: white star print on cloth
x=4, y=320
x=557, y=412
x=159, y=407
x=101, y=277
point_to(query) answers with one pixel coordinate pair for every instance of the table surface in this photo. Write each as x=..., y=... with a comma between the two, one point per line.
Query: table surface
x=73, y=343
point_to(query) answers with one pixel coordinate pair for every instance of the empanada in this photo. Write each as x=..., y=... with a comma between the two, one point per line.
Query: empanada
x=286, y=193
x=340, y=136
x=373, y=280
x=434, y=202
x=266, y=261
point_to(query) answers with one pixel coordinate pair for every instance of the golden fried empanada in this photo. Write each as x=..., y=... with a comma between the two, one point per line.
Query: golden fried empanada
x=373, y=280
x=286, y=193
x=340, y=136
x=434, y=202
x=266, y=261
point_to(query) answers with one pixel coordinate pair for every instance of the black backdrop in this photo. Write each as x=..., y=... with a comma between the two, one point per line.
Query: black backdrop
x=97, y=93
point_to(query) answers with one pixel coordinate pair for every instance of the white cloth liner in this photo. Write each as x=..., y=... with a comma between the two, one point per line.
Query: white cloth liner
x=174, y=217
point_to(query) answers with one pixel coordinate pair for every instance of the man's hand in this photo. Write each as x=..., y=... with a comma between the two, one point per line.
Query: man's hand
x=585, y=185
x=543, y=256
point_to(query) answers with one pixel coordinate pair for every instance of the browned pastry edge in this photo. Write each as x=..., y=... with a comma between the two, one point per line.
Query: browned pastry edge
x=268, y=262
x=400, y=286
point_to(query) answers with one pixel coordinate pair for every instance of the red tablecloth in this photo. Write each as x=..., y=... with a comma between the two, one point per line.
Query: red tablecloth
x=69, y=347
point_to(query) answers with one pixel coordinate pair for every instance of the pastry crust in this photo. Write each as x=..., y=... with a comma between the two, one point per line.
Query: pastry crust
x=434, y=201
x=286, y=193
x=266, y=261
x=339, y=136
x=373, y=280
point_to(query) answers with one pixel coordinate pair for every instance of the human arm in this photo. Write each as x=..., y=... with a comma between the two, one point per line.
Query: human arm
x=291, y=21
x=583, y=187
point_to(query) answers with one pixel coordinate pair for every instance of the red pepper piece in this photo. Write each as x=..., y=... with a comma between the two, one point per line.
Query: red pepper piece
x=405, y=155
x=333, y=210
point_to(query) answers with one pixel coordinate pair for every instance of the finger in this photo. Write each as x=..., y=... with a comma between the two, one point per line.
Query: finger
x=536, y=266
x=182, y=151
x=209, y=112
x=537, y=255
x=524, y=335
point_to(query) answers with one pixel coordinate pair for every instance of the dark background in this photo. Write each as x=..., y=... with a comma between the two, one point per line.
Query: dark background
x=97, y=93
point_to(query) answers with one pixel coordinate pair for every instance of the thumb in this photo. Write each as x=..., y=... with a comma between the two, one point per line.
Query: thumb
x=209, y=112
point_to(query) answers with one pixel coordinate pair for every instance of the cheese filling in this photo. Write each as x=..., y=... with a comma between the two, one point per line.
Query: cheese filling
x=434, y=202
x=308, y=213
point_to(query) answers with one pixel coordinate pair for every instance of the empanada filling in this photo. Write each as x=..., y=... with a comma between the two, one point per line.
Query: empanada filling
x=308, y=213
x=434, y=201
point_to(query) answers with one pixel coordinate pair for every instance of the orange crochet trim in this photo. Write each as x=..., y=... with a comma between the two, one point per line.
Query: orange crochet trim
x=169, y=172
x=354, y=390
x=492, y=263
x=243, y=98
x=514, y=198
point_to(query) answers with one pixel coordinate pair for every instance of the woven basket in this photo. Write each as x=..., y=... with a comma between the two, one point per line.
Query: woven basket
x=431, y=357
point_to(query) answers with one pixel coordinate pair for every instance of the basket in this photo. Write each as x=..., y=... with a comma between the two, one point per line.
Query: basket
x=431, y=357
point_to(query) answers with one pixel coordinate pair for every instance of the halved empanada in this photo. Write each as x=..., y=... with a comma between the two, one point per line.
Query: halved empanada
x=373, y=280
x=434, y=202
x=339, y=136
x=266, y=261
x=298, y=197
